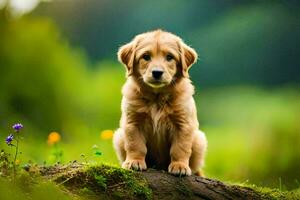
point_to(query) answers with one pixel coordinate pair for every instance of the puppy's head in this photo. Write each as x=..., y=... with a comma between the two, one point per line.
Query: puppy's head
x=157, y=58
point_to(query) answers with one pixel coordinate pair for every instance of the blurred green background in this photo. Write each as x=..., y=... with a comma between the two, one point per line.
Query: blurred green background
x=59, y=72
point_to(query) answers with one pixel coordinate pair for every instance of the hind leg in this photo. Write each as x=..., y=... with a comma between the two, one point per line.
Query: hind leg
x=198, y=153
x=118, y=142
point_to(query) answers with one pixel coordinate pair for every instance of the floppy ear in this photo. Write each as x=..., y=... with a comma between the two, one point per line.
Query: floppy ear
x=126, y=56
x=188, y=58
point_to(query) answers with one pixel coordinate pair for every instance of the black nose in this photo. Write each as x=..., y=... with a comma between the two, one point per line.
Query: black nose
x=156, y=74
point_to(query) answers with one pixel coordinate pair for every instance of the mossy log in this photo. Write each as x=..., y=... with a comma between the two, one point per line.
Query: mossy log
x=107, y=182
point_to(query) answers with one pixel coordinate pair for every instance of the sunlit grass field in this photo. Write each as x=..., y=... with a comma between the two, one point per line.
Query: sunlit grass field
x=253, y=135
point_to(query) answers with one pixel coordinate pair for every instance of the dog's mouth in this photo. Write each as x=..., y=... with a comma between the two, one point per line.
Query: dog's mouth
x=156, y=84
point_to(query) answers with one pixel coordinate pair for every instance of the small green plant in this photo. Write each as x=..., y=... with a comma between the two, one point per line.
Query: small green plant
x=10, y=142
x=95, y=153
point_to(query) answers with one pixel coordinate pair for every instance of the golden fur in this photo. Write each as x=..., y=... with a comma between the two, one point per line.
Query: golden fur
x=159, y=125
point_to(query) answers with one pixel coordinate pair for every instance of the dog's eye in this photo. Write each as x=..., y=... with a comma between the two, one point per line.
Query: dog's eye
x=169, y=57
x=146, y=57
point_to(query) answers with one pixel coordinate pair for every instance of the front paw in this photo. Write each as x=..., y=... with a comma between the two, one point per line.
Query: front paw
x=138, y=165
x=179, y=169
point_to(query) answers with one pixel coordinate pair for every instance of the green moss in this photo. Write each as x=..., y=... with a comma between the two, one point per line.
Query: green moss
x=86, y=191
x=114, y=182
x=272, y=193
x=101, y=180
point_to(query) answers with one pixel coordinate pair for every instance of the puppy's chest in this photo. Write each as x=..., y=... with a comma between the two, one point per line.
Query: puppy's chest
x=158, y=118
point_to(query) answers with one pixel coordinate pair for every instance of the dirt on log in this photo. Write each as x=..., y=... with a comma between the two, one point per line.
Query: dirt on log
x=106, y=182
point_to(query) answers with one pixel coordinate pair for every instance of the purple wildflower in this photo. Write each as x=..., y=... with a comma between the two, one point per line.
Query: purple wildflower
x=9, y=139
x=17, y=127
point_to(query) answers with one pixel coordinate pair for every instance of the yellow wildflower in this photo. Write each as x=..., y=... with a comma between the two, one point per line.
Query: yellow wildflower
x=106, y=134
x=17, y=162
x=53, y=138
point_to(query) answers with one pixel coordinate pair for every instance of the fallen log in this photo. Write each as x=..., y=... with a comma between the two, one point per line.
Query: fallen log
x=108, y=182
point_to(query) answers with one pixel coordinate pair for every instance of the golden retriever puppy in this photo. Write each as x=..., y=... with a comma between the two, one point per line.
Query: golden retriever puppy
x=159, y=125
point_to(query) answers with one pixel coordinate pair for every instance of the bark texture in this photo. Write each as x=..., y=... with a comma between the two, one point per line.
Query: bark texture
x=166, y=186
